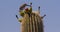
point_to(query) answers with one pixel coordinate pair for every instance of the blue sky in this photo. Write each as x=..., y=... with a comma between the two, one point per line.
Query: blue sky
x=9, y=8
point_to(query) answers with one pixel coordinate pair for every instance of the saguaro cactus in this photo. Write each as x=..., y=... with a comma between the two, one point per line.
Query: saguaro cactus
x=31, y=22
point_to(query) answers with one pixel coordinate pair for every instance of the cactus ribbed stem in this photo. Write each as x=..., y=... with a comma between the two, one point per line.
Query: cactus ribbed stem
x=32, y=24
